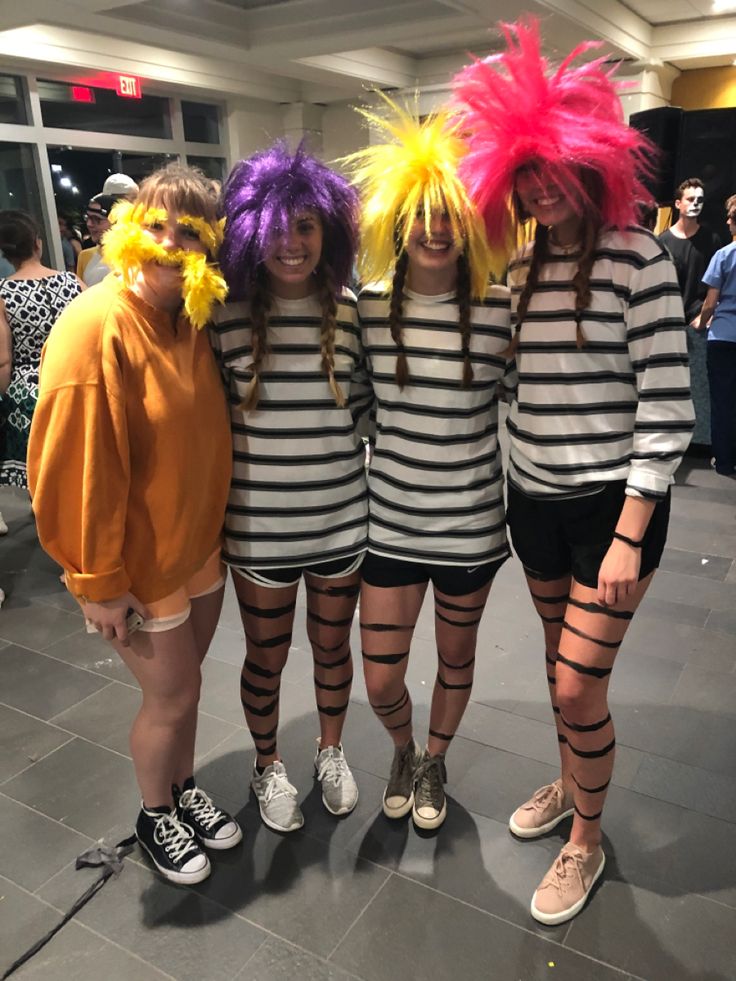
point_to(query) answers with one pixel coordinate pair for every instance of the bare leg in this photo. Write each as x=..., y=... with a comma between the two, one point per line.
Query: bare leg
x=388, y=616
x=330, y=608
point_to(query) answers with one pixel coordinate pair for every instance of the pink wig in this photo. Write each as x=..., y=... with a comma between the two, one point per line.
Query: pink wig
x=516, y=111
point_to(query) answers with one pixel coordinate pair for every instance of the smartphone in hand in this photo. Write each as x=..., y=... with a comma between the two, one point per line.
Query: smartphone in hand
x=133, y=621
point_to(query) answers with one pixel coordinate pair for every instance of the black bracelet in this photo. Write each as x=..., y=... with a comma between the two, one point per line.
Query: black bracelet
x=629, y=541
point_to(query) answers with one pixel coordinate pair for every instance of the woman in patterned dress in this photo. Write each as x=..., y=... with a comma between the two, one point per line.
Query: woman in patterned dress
x=30, y=302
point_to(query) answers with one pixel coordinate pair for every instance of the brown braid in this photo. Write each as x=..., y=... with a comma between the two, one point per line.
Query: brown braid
x=260, y=306
x=581, y=279
x=394, y=318
x=463, y=310
x=326, y=288
x=540, y=255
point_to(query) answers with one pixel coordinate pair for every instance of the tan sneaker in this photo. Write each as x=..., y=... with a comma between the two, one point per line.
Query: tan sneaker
x=564, y=890
x=542, y=812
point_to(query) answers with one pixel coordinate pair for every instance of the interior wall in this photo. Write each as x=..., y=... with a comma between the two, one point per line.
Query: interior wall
x=706, y=88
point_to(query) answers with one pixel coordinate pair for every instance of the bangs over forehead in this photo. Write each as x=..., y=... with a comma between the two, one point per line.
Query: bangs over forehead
x=180, y=190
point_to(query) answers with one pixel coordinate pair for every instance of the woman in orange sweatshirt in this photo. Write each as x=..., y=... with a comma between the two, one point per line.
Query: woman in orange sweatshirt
x=129, y=468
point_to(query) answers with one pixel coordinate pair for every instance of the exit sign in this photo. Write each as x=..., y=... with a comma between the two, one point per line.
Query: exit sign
x=128, y=86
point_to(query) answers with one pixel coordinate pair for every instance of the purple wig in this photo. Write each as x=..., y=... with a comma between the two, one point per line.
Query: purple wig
x=260, y=196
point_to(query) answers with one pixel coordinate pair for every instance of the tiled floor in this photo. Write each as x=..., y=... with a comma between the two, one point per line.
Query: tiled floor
x=362, y=897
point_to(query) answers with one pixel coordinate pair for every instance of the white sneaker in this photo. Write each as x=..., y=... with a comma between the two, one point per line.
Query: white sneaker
x=3, y=526
x=277, y=798
x=339, y=789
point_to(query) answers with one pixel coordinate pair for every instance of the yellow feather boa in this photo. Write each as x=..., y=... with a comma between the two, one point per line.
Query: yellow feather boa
x=126, y=248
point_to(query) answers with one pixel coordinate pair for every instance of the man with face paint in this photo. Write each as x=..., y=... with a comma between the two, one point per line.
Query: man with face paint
x=692, y=246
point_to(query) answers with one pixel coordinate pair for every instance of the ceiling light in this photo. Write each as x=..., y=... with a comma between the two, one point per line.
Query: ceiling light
x=66, y=182
x=723, y=6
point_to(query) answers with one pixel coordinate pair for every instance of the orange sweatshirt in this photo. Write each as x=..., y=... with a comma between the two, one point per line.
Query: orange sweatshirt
x=129, y=457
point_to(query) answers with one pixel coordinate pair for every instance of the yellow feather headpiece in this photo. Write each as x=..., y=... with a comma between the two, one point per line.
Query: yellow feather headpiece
x=126, y=247
x=415, y=172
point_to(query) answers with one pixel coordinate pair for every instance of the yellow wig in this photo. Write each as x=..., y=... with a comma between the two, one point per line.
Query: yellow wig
x=126, y=247
x=414, y=173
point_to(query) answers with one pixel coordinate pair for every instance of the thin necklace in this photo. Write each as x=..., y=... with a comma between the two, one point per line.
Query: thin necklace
x=566, y=249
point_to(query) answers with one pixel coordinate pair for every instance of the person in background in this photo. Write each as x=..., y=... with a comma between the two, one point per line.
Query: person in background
x=692, y=246
x=70, y=244
x=435, y=335
x=603, y=412
x=129, y=468
x=31, y=300
x=718, y=318
x=289, y=347
x=647, y=212
x=91, y=267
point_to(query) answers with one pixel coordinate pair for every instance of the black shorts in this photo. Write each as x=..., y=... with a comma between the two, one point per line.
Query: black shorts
x=290, y=576
x=453, y=580
x=556, y=538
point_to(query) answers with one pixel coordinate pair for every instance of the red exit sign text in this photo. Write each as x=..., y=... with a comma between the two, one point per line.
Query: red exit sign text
x=129, y=86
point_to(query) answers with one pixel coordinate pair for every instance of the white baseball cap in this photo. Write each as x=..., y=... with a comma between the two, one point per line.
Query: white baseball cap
x=120, y=184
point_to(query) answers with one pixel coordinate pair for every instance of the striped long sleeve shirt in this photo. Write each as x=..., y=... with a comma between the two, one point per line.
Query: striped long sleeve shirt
x=298, y=494
x=619, y=407
x=435, y=480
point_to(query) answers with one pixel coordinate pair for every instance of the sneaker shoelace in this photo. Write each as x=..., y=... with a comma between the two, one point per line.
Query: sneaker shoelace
x=567, y=869
x=400, y=764
x=278, y=786
x=332, y=766
x=431, y=774
x=201, y=806
x=175, y=838
x=546, y=795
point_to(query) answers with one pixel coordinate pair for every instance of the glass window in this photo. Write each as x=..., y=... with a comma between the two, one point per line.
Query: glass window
x=201, y=122
x=12, y=103
x=19, y=183
x=211, y=166
x=66, y=106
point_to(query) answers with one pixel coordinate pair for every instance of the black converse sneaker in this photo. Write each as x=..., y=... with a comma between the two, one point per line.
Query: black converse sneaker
x=430, y=807
x=171, y=846
x=213, y=827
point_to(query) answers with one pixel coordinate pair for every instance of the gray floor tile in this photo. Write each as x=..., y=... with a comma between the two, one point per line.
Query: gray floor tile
x=34, y=847
x=690, y=786
x=91, y=652
x=40, y=685
x=75, y=952
x=678, y=642
x=106, y=717
x=221, y=691
x=278, y=961
x=86, y=787
x=412, y=932
x=227, y=645
x=702, y=537
x=175, y=929
x=673, y=612
x=25, y=740
x=723, y=620
x=308, y=891
x=36, y=624
x=708, y=691
x=696, y=563
x=655, y=935
x=692, y=591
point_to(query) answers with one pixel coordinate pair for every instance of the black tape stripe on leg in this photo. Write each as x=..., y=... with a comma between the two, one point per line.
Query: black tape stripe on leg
x=385, y=658
x=340, y=687
x=561, y=737
x=335, y=591
x=261, y=671
x=551, y=680
x=612, y=645
x=402, y=702
x=441, y=735
x=455, y=667
x=267, y=613
x=550, y=660
x=455, y=608
x=316, y=618
x=401, y=725
x=605, y=610
x=384, y=627
x=556, y=709
x=269, y=642
x=584, y=668
x=258, y=692
x=391, y=705
x=262, y=712
x=587, y=817
x=551, y=619
x=264, y=735
x=332, y=709
x=593, y=727
x=330, y=650
x=592, y=754
x=591, y=790
x=328, y=665
x=266, y=750
x=543, y=576
x=445, y=685
x=457, y=623
x=551, y=600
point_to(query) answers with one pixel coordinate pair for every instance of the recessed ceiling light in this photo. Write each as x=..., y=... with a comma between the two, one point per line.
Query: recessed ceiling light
x=722, y=6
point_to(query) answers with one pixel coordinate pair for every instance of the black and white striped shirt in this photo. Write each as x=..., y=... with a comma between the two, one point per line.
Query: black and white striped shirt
x=618, y=408
x=298, y=493
x=435, y=480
